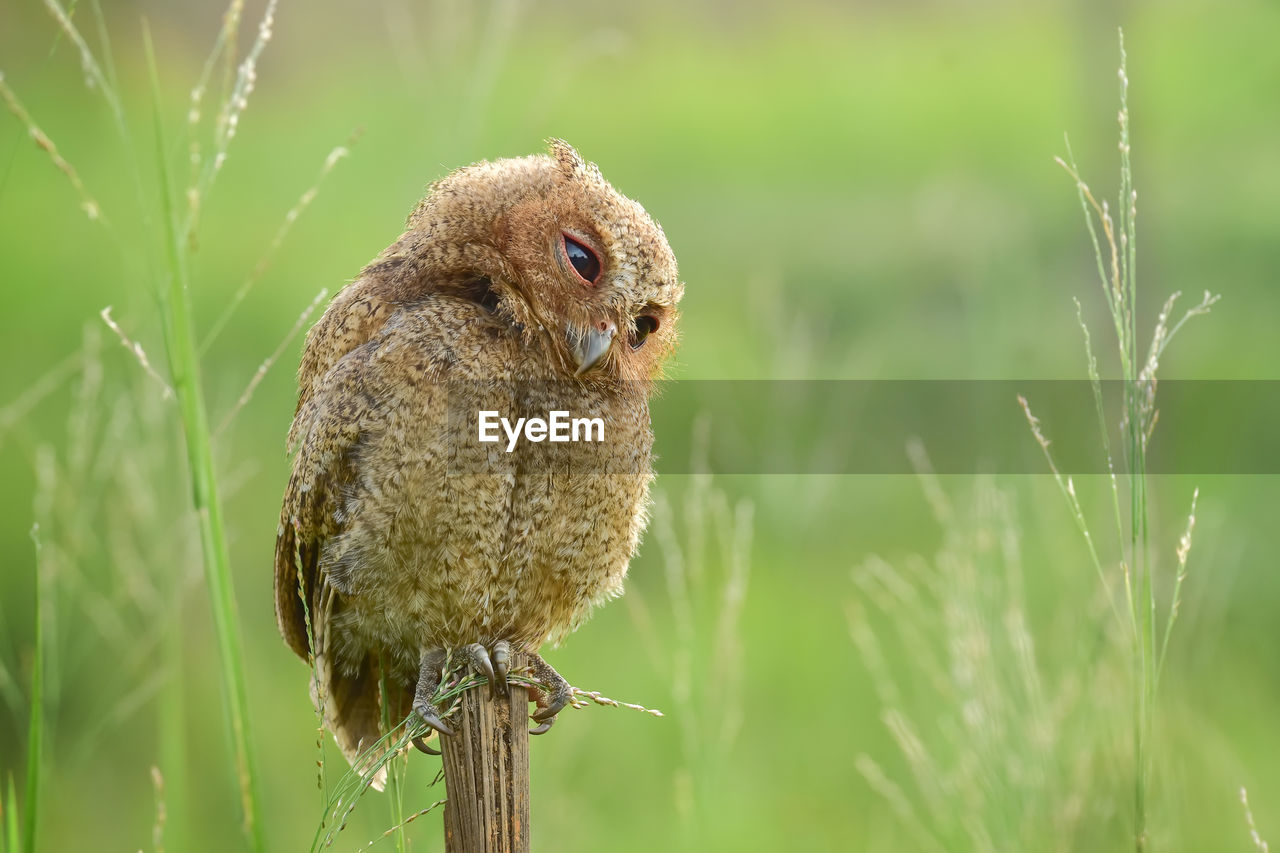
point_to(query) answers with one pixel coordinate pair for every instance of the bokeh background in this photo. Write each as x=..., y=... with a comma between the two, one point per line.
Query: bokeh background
x=854, y=190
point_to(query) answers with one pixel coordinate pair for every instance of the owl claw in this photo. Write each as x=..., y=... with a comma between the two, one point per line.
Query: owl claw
x=430, y=716
x=421, y=744
x=501, y=656
x=554, y=695
x=553, y=698
x=429, y=672
x=492, y=667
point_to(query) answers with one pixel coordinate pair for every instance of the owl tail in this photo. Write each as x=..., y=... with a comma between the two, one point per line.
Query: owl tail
x=352, y=707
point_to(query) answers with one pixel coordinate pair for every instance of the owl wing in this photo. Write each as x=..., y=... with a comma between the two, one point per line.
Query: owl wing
x=331, y=420
x=374, y=388
x=345, y=407
x=373, y=396
x=323, y=433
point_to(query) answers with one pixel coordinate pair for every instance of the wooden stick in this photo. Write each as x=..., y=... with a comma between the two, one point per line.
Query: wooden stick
x=486, y=772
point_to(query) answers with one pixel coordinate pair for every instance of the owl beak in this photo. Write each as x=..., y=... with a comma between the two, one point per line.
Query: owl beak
x=590, y=348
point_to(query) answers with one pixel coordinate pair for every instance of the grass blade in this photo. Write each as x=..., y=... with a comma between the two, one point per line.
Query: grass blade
x=35, y=727
x=185, y=373
x=12, y=836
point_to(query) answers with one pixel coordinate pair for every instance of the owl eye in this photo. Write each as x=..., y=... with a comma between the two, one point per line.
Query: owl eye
x=583, y=260
x=645, y=326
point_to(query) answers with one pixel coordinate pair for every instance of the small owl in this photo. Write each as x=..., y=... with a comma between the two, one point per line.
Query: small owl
x=521, y=287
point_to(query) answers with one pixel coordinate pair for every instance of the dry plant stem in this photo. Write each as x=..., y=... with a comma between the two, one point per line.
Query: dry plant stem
x=1258, y=842
x=92, y=70
x=157, y=829
x=269, y=362
x=290, y=218
x=486, y=771
x=136, y=349
x=87, y=202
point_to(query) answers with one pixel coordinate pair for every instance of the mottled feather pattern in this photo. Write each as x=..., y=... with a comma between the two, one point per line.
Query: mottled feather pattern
x=401, y=530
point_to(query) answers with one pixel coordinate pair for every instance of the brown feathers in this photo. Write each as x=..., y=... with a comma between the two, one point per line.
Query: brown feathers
x=521, y=286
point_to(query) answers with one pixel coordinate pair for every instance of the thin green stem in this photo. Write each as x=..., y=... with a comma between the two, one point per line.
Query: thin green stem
x=12, y=835
x=1184, y=550
x=173, y=746
x=1068, y=489
x=184, y=367
x=395, y=769
x=35, y=725
x=1117, y=260
x=105, y=40
x=90, y=64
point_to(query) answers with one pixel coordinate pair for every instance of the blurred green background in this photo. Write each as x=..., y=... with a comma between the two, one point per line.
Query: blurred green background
x=853, y=190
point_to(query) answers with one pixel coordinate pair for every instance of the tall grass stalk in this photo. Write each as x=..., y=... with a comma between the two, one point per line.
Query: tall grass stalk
x=172, y=735
x=396, y=771
x=184, y=368
x=171, y=274
x=1116, y=257
x=11, y=832
x=178, y=325
x=35, y=724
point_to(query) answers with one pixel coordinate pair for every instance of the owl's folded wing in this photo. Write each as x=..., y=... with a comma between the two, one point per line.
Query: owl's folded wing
x=329, y=424
x=350, y=407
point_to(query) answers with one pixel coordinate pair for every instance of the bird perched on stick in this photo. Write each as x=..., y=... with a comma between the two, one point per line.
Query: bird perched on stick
x=521, y=286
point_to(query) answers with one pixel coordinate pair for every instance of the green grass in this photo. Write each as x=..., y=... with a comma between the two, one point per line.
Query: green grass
x=1117, y=256
x=184, y=370
x=1001, y=745
x=851, y=193
x=171, y=282
x=35, y=723
x=12, y=831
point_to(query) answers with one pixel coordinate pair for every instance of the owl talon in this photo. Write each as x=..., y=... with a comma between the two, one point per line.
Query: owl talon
x=501, y=656
x=542, y=728
x=478, y=656
x=431, y=717
x=555, y=696
x=429, y=674
x=421, y=744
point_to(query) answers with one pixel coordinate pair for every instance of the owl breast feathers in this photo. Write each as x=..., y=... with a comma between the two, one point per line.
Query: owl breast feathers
x=520, y=286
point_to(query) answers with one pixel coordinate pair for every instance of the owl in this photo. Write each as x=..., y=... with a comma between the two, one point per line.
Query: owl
x=520, y=287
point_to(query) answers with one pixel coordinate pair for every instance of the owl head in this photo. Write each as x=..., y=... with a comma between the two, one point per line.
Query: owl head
x=546, y=244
